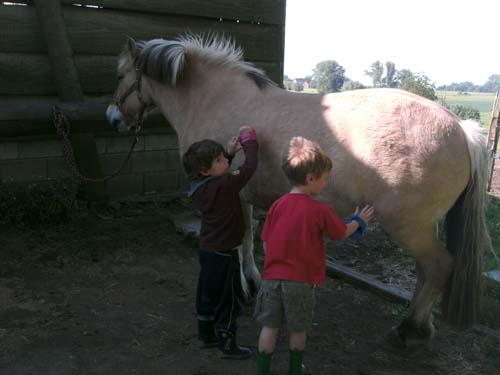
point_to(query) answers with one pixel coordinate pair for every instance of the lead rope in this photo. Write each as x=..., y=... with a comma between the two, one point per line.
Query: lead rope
x=63, y=129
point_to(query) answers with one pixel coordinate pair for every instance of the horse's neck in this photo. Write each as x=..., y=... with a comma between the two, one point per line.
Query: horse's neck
x=203, y=96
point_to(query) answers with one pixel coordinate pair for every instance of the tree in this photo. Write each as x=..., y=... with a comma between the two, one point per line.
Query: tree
x=328, y=76
x=376, y=72
x=466, y=112
x=418, y=84
x=352, y=85
x=463, y=111
x=402, y=75
x=390, y=74
x=493, y=84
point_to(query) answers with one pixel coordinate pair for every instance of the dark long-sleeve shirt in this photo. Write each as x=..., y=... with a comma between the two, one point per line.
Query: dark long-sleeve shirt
x=222, y=225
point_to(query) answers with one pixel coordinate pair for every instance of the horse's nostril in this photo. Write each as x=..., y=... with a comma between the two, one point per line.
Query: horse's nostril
x=116, y=124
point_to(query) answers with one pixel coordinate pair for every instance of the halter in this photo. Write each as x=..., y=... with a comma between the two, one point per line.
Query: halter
x=136, y=86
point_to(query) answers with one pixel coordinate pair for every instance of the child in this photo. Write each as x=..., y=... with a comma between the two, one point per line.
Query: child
x=215, y=192
x=295, y=252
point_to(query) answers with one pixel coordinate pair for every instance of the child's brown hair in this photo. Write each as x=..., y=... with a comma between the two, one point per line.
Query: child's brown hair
x=304, y=157
x=199, y=157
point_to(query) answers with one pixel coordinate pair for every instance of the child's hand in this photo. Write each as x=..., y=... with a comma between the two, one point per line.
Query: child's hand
x=361, y=218
x=247, y=134
x=233, y=146
x=367, y=213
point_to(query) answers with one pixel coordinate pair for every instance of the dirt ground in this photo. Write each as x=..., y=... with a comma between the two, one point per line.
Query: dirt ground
x=115, y=295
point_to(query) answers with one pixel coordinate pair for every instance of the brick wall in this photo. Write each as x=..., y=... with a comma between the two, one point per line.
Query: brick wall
x=154, y=166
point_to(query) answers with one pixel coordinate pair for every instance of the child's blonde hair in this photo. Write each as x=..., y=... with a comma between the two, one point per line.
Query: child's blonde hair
x=304, y=157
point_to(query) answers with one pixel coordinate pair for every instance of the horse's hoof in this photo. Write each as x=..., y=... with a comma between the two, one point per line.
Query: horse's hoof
x=395, y=339
x=409, y=336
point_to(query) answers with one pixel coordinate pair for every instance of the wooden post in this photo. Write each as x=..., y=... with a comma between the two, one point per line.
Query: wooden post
x=493, y=122
x=68, y=86
x=493, y=136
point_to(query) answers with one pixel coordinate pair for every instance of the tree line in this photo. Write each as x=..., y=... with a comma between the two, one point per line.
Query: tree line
x=329, y=76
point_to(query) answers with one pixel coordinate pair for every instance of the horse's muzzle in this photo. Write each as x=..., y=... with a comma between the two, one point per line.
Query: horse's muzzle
x=115, y=119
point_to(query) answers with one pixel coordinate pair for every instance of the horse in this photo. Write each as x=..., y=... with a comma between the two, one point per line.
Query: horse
x=413, y=160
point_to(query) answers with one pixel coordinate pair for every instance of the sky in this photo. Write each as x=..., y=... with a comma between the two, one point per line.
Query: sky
x=447, y=40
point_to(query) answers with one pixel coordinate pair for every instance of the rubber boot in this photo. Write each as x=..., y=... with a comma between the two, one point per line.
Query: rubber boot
x=296, y=365
x=264, y=363
x=229, y=347
x=206, y=334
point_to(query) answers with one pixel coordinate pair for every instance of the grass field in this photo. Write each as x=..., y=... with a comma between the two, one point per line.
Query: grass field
x=482, y=101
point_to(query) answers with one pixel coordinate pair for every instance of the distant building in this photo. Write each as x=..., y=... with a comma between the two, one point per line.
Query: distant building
x=302, y=82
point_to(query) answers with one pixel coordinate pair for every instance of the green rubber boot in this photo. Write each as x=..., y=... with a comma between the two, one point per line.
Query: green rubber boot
x=296, y=365
x=264, y=363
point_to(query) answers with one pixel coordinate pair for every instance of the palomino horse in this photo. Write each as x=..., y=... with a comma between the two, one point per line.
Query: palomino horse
x=409, y=157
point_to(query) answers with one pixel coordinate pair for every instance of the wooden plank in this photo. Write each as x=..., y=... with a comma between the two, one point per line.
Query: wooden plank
x=104, y=32
x=26, y=74
x=30, y=74
x=263, y=11
x=20, y=30
x=357, y=278
x=108, y=31
x=31, y=116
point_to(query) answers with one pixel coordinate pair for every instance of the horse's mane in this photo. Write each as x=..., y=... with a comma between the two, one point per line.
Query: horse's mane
x=165, y=60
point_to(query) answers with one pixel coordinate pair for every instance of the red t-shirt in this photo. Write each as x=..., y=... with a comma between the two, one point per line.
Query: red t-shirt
x=293, y=232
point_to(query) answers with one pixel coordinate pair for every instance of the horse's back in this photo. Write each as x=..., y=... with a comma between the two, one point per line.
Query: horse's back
x=396, y=150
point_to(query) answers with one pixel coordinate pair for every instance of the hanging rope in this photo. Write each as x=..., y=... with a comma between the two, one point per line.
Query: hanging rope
x=63, y=129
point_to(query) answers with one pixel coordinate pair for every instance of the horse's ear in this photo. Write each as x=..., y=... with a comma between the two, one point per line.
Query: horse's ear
x=132, y=48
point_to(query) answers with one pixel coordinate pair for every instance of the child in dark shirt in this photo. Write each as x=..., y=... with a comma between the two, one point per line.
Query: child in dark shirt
x=215, y=192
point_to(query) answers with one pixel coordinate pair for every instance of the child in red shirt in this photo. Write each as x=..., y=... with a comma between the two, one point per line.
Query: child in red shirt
x=295, y=252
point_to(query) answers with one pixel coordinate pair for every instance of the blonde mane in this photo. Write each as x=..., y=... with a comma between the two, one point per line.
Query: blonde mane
x=165, y=60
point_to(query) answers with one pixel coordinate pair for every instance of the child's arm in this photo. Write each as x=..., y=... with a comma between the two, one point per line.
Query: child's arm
x=248, y=141
x=233, y=146
x=359, y=220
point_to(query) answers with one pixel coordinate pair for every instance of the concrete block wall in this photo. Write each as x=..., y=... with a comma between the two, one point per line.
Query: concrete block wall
x=154, y=166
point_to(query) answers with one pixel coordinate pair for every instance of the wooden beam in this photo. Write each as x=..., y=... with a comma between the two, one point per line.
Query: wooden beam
x=60, y=52
x=30, y=74
x=68, y=87
x=263, y=11
x=33, y=116
x=104, y=31
x=357, y=278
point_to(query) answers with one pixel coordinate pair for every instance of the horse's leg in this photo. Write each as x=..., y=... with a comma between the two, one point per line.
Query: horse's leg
x=434, y=264
x=420, y=281
x=250, y=276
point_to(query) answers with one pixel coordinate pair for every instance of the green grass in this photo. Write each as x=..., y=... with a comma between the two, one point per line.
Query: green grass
x=310, y=91
x=482, y=101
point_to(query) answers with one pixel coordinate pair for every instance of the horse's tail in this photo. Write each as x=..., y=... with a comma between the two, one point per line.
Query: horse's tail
x=466, y=237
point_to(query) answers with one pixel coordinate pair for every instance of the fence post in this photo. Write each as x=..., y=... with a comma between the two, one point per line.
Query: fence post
x=65, y=74
x=493, y=136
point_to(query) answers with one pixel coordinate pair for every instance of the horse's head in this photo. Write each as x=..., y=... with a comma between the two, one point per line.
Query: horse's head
x=151, y=71
x=130, y=100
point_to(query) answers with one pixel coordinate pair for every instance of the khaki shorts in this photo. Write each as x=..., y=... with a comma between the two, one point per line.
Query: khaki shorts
x=290, y=302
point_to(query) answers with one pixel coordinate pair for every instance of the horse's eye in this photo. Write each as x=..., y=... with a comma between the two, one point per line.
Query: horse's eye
x=119, y=78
